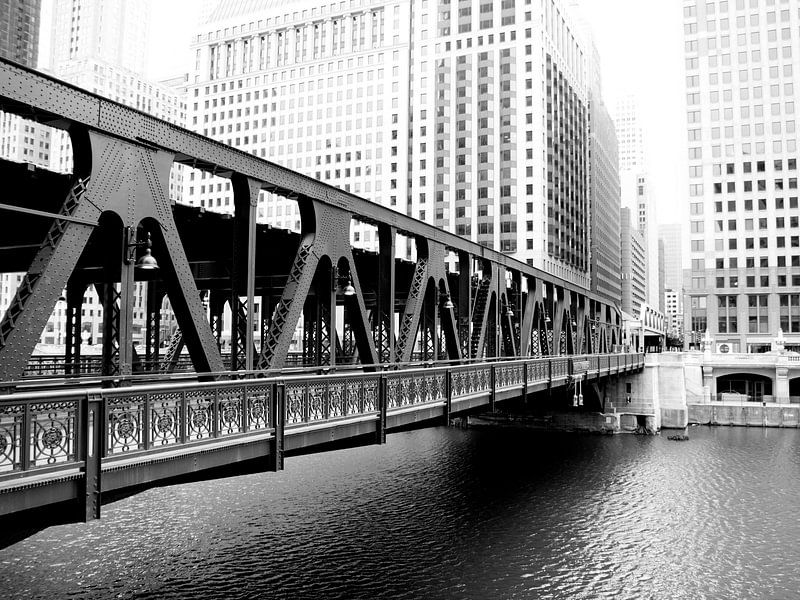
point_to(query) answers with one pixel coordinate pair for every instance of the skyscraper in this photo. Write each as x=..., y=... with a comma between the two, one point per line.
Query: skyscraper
x=744, y=283
x=19, y=30
x=635, y=186
x=472, y=116
x=671, y=236
x=20, y=140
x=99, y=45
x=632, y=250
x=114, y=32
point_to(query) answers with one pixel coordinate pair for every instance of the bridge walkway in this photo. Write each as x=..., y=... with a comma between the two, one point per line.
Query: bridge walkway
x=74, y=445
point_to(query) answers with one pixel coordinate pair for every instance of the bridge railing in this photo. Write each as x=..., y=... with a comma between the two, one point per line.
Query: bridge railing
x=47, y=431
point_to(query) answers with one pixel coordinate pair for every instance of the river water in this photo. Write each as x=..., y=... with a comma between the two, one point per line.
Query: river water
x=449, y=513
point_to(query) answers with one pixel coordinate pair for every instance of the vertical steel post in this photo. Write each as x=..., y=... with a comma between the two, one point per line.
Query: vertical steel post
x=525, y=383
x=384, y=310
x=448, y=401
x=73, y=347
x=278, y=417
x=127, y=291
x=493, y=391
x=464, y=302
x=91, y=452
x=383, y=401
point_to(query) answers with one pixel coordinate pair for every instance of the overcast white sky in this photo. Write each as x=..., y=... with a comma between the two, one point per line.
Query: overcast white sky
x=641, y=48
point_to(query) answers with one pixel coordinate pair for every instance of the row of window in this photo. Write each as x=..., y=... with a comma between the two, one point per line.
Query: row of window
x=698, y=264
x=749, y=243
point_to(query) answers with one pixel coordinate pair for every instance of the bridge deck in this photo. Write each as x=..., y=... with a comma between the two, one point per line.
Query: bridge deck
x=73, y=444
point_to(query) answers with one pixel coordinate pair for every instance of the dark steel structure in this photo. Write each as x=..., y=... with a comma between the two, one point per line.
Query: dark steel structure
x=503, y=328
x=84, y=229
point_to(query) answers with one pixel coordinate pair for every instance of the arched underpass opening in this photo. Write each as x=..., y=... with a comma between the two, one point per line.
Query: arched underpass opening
x=744, y=387
x=794, y=390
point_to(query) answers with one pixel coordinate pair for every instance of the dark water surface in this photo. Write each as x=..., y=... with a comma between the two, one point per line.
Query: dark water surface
x=447, y=513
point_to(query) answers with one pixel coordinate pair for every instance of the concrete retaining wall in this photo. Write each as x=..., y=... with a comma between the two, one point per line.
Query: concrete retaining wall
x=743, y=415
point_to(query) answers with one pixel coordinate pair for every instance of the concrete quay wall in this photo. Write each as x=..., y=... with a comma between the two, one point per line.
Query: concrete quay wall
x=683, y=389
x=756, y=415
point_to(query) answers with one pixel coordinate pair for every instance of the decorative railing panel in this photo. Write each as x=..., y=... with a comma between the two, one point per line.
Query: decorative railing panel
x=42, y=430
x=471, y=380
x=126, y=426
x=321, y=398
x=539, y=370
x=12, y=420
x=417, y=387
x=559, y=367
x=54, y=426
x=509, y=376
x=166, y=415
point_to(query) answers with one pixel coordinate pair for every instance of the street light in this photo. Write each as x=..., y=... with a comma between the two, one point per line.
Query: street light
x=343, y=283
x=448, y=302
x=147, y=263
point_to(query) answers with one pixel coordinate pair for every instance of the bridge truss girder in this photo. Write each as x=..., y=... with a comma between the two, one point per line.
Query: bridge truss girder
x=399, y=310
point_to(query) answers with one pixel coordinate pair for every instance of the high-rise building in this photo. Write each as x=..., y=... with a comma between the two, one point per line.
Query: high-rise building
x=21, y=140
x=629, y=134
x=19, y=30
x=471, y=116
x=744, y=225
x=671, y=236
x=635, y=186
x=632, y=249
x=604, y=185
x=99, y=45
x=111, y=31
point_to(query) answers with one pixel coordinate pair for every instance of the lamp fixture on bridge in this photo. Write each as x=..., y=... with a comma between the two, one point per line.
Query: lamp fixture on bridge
x=343, y=283
x=448, y=302
x=147, y=262
x=509, y=311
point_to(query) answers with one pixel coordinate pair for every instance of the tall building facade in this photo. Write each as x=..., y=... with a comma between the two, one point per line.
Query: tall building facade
x=744, y=284
x=635, y=186
x=604, y=187
x=471, y=115
x=19, y=30
x=633, y=275
x=20, y=140
x=99, y=45
x=671, y=236
x=114, y=32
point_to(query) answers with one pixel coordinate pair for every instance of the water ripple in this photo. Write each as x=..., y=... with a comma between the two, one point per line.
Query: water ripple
x=445, y=513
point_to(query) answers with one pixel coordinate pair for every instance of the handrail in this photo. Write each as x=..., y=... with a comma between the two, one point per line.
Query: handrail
x=141, y=378
x=43, y=430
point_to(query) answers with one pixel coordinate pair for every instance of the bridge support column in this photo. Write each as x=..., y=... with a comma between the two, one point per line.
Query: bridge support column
x=92, y=429
x=72, y=350
x=278, y=417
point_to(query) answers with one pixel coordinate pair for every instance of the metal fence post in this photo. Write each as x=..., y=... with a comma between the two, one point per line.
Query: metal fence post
x=92, y=436
x=383, y=401
x=278, y=417
x=492, y=390
x=525, y=383
x=448, y=399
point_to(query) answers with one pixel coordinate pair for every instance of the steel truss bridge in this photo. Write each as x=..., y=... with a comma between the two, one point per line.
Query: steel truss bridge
x=485, y=326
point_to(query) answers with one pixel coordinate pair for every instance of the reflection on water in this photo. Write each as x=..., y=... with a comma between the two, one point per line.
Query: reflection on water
x=446, y=513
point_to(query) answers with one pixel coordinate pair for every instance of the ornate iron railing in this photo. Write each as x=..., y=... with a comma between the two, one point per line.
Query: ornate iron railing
x=53, y=431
